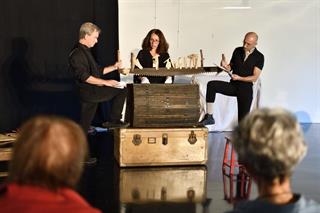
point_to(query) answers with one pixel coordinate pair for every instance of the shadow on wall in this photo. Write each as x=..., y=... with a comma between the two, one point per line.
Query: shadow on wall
x=22, y=95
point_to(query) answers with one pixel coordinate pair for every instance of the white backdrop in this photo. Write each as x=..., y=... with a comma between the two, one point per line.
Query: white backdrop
x=289, y=37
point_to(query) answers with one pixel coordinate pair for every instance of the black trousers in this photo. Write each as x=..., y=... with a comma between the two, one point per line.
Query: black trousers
x=242, y=90
x=90, y=103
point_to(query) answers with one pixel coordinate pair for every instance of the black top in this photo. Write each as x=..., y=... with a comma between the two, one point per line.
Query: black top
x=145, y=59
x=300, y=205
x=83, y=65
x=245, y=68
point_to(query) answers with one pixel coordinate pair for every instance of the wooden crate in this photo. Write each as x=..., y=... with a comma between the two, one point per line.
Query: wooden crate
x=6, y=143
x=160, y=146
x=162, y=184
x=163, y=105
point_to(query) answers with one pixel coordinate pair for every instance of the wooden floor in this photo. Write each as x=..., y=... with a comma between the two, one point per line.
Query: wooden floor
x=100, y=183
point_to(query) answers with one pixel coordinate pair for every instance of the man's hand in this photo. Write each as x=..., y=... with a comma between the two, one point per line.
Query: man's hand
x=236, y=77
x=251, y=78
x=112, y=68
x=224, y=63
x=110, y=83
x=118, y=65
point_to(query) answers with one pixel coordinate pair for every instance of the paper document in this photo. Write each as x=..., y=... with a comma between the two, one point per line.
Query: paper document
x=223, y=69
x=120, y=85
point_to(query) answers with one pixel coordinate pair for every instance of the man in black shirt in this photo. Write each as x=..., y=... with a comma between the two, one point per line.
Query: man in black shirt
x=246, y=65
x=92, y=88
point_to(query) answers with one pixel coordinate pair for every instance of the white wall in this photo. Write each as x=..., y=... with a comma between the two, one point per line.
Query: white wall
x=289, y=37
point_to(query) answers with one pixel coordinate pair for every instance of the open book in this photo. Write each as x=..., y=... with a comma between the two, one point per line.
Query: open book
x=223, y=69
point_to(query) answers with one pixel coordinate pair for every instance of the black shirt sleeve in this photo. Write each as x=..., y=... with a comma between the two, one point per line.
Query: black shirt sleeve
x=79, y=65
x=145, y=58
x=260, y=62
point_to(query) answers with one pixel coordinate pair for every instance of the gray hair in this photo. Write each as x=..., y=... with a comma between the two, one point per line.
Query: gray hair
x=270, y=143
x=87, y=29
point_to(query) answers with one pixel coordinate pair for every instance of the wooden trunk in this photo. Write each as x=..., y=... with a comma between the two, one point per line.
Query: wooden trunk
x=163, y=105
x=160, y=146
x=162, y=184
x=161, y=207
x=6, y=143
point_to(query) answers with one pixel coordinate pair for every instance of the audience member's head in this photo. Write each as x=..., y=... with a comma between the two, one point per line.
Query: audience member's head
x=270, y=143
x=49, y=152
x=155, y=40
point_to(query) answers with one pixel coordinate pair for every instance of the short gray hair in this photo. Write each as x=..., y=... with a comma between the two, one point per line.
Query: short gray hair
x=270, y=143
x=87, y=29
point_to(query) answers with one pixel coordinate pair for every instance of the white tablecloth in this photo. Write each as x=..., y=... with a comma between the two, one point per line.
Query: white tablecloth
x=225, y=107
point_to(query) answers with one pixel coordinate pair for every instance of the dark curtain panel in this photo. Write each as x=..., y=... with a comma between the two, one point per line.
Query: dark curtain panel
x=35, y=39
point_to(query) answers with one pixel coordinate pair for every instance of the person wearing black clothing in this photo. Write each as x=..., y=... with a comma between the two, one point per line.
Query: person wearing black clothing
x=92, y=88
x=246, y=65
x=154, y=54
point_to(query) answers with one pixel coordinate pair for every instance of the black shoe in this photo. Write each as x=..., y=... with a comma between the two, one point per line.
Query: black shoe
x=111, y=125
x=207, y=120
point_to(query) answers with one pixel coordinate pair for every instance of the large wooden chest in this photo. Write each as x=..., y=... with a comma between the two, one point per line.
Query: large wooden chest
x=163, y=105
x=160, y=146
x=162, y=184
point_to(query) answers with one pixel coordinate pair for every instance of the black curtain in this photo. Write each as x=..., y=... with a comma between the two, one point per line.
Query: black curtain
x=36, y=37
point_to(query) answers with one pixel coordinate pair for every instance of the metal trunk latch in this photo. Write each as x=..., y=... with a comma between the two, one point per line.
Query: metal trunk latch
x=136, y=140
x=164, y=138
x=192, y=138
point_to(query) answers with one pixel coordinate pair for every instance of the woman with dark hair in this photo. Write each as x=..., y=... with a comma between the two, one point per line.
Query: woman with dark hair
x=154, y=54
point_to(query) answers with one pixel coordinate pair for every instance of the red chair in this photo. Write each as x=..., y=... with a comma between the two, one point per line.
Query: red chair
x=236, y=173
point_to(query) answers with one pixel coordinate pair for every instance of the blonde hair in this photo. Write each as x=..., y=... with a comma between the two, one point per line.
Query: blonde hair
x=270, y=143
x=87, y=29
x=49, y=152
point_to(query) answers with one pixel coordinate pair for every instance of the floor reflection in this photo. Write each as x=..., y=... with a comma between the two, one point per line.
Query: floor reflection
x=172, y=184
x=162, y=189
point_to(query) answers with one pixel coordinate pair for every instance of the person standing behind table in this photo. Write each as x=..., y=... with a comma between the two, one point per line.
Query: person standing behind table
x=92, y=88
x=270, y=144
x=46, y=165
x=154, y=54
x=246, y=65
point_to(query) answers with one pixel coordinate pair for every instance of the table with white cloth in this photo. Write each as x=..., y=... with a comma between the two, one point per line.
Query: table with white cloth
x=225, y=111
